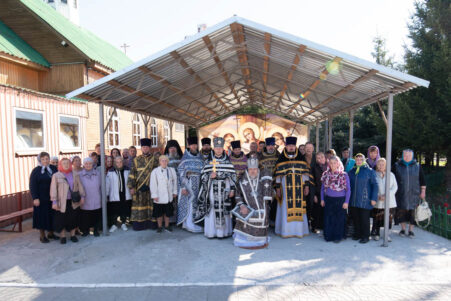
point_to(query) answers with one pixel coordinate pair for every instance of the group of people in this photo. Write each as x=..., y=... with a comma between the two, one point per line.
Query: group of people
x=224, y=192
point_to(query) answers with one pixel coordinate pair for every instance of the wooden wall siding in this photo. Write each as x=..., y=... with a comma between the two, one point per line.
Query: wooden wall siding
x=15, y=170
x=15, y=75
x=92, y=76
x=62, y=79
x=38, y=35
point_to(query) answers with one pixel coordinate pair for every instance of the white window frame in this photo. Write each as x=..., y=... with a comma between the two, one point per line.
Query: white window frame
x=166, y=131
x=78, y=148
x=29, y=150
x=181, y=129
x=139, y=124
x=114, y=118
x=154, y=126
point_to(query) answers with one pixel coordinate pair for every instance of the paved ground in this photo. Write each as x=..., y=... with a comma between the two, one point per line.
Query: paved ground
x=183, y=266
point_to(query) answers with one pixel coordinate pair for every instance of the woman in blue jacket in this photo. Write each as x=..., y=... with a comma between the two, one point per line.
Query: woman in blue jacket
x=364, y=191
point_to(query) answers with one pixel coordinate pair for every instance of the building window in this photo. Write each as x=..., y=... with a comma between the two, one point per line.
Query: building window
x=113, y=128
x=136, y=130
x=166, y=131
x=69, y=132
x=75, y=4
x=179, y=127
x=50, y=1
x=154, y=132
x=29, y=130
x=64, y=1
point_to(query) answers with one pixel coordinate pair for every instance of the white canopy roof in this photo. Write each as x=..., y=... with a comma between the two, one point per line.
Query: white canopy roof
x=239, y=63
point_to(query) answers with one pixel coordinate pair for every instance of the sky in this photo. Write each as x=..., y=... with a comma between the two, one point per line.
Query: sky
x=149, y=26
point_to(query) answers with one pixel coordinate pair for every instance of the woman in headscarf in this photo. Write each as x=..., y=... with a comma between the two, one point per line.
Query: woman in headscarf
x=335, y=194
x=40, y=180
x=65, y=184
x=91, y=210
x=364, y=191
x=373, y=155
x=378, y=221
x=54, y=161
x=411, y=188
x=318, y=212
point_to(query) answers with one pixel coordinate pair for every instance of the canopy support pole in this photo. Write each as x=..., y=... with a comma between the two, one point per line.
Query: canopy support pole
x=329, y=142
x=102, y=169
x=388, y=170
x=326, y=134
x=317, y=136
x=351, y=133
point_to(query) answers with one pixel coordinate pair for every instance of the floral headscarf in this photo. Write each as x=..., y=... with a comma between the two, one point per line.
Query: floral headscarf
x=334, y=180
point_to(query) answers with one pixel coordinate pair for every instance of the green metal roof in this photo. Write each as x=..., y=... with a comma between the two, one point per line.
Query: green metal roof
x=91, y=45
x=12, y=44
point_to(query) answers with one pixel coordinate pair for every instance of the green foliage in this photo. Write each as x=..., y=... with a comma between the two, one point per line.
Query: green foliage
x=421, y=117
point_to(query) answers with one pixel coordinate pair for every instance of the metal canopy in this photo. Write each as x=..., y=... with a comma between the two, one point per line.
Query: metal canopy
x=240, y=63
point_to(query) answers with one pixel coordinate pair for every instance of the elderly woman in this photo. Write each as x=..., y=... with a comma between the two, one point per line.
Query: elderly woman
x=40, y=180
x=335, y=194
x=317, y=210
x=54, y=161
x=64, y=187
x=119, y=197
x=364, y=191
x=373, y=156
x=378, y=221
x=411, y=188
x=163, y=189
x=76, y=163
x=91, y=211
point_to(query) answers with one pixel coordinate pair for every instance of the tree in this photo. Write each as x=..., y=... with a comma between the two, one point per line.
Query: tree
x=424, y=113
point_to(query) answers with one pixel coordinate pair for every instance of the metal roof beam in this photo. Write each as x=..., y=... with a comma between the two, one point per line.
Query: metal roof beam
x=190, y=70
x=220, y=65
x=345, y=90
x=371, y=99
x=314, y=85
x=178, y=91
x=238, y=38
x=294, y=65
x=267, y=46
x=152, y=99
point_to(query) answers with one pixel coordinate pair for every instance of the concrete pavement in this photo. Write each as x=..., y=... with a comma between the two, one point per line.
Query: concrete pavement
x=184, y=266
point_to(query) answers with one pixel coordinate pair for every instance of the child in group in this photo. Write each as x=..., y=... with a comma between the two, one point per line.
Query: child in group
x=163, y=189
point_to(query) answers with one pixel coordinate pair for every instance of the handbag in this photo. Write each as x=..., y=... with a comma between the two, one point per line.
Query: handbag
x=75, y=195
x=422, y=213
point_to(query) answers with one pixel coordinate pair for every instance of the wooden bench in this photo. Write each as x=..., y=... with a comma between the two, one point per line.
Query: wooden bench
x=18, y=215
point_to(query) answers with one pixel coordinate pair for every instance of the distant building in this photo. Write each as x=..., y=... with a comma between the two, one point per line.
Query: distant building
x=43, y=56
x=68, y=8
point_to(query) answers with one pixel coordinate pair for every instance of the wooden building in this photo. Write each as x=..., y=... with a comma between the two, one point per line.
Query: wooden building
x=43, y=56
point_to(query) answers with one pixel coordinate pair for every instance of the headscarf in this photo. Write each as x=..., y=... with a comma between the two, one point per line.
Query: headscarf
x=358, y=166
x=334, y=180
x=371, y=162
x=60, y=166
x=402, y=158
